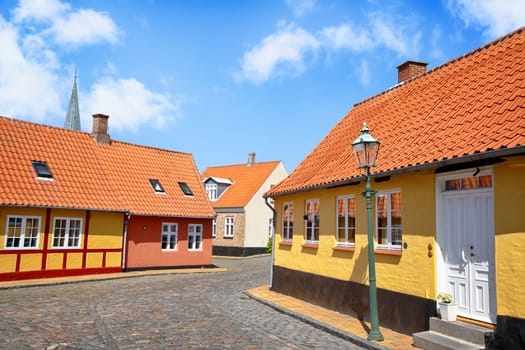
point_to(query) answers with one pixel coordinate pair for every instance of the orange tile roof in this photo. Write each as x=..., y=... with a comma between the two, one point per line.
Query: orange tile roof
x=88, y=175
x=247, y=179
x=468, y=108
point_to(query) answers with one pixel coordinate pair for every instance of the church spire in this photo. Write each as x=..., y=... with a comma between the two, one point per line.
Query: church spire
x=73, y=115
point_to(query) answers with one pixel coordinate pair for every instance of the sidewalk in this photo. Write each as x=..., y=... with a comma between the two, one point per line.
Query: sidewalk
x=103, y=277
x=334, y=322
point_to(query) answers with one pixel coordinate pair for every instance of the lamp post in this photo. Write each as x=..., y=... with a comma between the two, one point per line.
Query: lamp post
x=365, y=148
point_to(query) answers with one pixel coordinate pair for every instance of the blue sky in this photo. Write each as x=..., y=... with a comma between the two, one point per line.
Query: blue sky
x=220, y=79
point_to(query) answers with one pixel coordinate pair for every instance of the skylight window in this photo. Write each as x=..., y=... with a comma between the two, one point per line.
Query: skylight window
x=185, y=188
x=157, y=186
x=42, y=170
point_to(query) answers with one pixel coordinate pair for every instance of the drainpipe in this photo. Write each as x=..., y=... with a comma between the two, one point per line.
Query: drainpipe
x=273, y=239
x=125, y=240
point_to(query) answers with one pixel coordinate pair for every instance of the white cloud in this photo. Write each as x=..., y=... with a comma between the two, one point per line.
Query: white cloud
x=67, y=27
x=301, y=7
x=498, y=17
x=280, y=53
x=39, y=10
x=28, y=88
x=346, y=37
x=129, y=104
x=394, y=36
x=84, y=27
x=363, y=73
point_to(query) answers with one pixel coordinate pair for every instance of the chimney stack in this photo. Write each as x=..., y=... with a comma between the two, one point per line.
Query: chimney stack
x=409, y=70
x=100, y=129
x=251, y=158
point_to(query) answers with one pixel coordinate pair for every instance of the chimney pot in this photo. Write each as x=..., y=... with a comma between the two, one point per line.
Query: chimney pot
x=100, y=129
x=409, y=70
x=251, y=158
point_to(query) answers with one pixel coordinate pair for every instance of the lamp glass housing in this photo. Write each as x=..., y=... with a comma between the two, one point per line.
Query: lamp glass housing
x=365, y=149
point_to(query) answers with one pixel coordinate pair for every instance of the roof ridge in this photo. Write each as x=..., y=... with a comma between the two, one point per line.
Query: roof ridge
x=89, y=133
x=455, y=59
x=245, y=164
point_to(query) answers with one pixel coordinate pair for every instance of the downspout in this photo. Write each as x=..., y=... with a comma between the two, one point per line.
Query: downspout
x=127, y=216
x=273, y=239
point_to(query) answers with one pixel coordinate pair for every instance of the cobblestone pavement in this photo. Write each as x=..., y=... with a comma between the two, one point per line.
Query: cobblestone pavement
x=178, y=311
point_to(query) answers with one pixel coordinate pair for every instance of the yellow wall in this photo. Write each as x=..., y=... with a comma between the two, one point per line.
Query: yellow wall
x=105, y=230
x=411, y=273
x=414, y=272
x=509, y=209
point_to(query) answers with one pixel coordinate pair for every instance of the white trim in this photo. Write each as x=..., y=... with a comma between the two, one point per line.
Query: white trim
x=346, y=198
x=315, y=224
x=229, y=226
x=389, y=245
x=22, y=232
x=195, y=234
x=285, y=236
x=67, y=232
x=170, y=234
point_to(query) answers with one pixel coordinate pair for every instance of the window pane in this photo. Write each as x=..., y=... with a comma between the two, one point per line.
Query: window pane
x=452, y=185
x=382, y=236
x=469, y=183
x=485, y=181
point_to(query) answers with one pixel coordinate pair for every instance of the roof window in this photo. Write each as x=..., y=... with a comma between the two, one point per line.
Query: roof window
x=41, y=170
x=157, y=186
x=185, y=188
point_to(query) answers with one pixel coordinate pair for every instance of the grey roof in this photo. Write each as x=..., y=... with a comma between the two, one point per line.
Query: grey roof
x=73, y=115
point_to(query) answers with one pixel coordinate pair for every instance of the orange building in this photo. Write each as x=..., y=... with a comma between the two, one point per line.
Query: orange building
x=77, y=203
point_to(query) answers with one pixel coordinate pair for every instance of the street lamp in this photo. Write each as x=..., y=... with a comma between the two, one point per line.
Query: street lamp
x=365, y=148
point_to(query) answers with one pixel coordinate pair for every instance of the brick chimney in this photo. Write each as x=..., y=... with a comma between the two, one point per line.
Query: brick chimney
x=409, y=70
x=251, y=158
x=100, y=129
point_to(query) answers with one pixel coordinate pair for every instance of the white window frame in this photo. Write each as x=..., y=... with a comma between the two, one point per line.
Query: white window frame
x=309, y=237
x=287, y=230
x=67, y=234
x=214, y=227
x=389, y=227
x=195, y=237
x=346, y=228
x=228, y=226
x=212, y=191
x=172, y=233
x=22, y=237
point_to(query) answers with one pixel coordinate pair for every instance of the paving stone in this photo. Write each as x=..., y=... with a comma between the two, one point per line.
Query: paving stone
x=177, y=311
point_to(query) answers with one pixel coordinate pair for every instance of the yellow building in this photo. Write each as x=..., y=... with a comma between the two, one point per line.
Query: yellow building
x=73, y=203
x=446, y=211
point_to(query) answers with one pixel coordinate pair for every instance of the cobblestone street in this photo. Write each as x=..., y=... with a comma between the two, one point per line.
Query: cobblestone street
x=178, y=311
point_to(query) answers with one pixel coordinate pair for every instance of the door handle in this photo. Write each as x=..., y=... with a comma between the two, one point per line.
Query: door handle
x=463, y=257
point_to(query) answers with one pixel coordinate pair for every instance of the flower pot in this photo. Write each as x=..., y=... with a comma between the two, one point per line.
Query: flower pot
x=448, y=311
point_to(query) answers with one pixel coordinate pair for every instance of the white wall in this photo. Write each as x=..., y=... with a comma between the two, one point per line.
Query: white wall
x=257, y=212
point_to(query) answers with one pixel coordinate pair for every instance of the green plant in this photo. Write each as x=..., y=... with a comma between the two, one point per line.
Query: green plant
x=444, y=298
x=269, y=245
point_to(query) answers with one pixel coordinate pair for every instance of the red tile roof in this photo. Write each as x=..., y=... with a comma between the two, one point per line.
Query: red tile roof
x=247, y=179
x=473, y=106
x=88, y=175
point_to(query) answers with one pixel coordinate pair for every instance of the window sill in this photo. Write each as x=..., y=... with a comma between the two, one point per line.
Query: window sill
x=395, y=252
x=311, y=245
x=344, y=248
x=286, y=243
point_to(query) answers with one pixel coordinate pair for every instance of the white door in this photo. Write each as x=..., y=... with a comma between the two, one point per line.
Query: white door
x=466, y=242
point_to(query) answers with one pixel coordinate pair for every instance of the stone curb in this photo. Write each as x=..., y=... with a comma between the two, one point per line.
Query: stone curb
x=320, y=325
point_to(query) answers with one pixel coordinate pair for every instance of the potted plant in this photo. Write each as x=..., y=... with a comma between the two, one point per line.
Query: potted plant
x=448, y=309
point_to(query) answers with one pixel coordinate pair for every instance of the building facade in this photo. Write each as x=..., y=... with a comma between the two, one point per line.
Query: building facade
x=446, y=207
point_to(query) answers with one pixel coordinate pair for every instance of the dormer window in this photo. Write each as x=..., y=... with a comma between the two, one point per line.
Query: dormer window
x=185, y=189
x=42, y=170
x=211, y=189
x=156, y=186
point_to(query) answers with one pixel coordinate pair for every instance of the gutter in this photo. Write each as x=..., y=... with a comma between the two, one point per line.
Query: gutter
x=273, y=240
x=125, y=240
x=502, y=152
